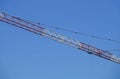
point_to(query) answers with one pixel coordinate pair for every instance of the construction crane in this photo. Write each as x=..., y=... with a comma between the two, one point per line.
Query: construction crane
x=40, y=30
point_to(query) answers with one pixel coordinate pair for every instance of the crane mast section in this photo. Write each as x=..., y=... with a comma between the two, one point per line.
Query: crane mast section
x=40, y=30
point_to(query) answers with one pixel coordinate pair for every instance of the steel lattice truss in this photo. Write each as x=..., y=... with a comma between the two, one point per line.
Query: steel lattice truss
x=40, y=30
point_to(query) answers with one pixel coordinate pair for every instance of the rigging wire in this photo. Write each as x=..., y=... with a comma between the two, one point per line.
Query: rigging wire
x=78, y=33
x=113, y=50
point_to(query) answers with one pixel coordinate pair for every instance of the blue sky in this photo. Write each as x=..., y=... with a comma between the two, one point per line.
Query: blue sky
x=24, y=55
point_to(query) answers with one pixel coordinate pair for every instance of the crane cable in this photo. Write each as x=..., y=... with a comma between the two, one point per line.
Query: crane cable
x=113, y=50
x=75, y=32
x=79, y=33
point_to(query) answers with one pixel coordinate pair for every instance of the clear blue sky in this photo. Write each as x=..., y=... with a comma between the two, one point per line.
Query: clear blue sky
x=24, y=55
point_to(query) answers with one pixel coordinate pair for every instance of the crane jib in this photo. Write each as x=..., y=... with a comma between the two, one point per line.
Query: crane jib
x=40, y=30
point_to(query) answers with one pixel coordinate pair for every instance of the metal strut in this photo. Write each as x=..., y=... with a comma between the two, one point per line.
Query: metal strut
x=40, y=30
